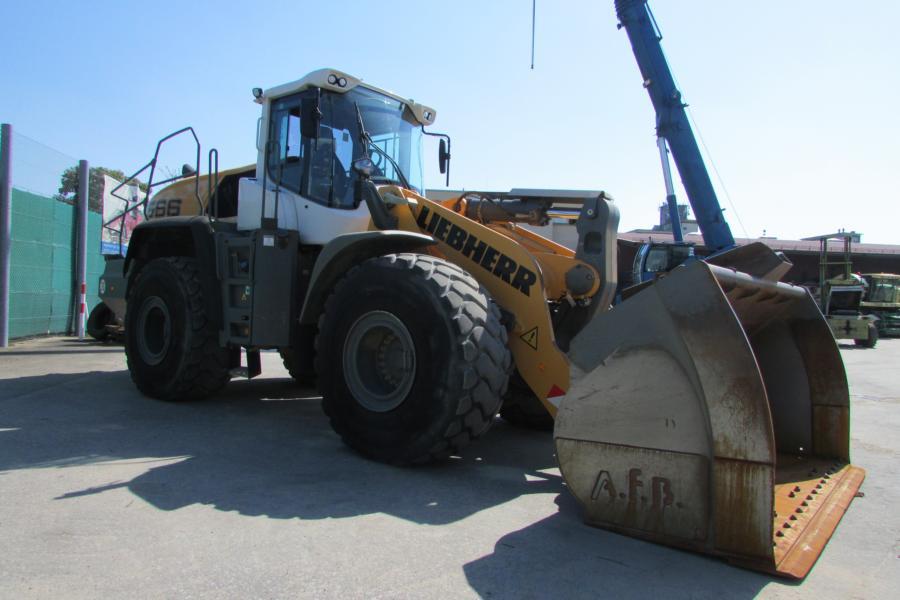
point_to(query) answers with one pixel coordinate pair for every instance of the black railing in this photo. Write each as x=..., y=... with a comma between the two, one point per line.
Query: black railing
x=133, y=179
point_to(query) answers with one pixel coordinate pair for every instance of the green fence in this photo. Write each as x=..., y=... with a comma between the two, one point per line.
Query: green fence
x=42, y=295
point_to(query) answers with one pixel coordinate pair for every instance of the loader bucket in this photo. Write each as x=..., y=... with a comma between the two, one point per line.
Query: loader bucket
x=710, y=411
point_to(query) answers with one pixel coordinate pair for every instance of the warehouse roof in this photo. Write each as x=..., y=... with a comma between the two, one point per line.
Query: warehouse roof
x=811, y=246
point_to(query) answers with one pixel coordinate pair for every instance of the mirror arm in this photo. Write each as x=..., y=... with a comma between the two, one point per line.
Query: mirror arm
x=442, y=157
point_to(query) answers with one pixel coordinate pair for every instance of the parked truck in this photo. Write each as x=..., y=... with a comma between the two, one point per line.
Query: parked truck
x=840, y=296
x=882, y=301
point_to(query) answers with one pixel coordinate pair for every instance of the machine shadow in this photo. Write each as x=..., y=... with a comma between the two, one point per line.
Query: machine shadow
x=261, y=448
x=560, y=557
x=264, y=448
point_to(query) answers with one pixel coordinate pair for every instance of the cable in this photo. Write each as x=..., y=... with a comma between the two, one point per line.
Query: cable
x=712, y=163
x=709, y=155
x=533, y=12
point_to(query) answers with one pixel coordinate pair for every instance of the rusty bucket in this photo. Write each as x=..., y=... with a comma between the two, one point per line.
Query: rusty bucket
x=710, y=411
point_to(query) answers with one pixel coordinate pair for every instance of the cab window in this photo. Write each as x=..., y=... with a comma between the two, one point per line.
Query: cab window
x=316, y=167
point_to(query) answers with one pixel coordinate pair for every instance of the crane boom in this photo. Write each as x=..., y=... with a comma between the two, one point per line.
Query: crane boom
x=672, y=122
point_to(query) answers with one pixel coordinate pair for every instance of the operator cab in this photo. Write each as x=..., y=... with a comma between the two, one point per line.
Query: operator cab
x=310, y=134
x=655, y=258
x=882, y=287
x=843, y=296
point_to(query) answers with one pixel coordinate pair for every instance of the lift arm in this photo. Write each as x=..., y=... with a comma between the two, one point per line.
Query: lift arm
x=672, y=123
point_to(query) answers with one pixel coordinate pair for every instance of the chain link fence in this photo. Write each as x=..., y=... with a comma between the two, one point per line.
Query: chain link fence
x=43, y=296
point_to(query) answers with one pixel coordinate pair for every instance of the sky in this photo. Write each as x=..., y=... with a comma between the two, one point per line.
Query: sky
x=795, y=101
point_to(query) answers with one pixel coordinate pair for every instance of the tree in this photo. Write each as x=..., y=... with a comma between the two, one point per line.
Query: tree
x=68, y=186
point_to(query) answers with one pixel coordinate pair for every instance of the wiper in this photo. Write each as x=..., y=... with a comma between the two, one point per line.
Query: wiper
x=367, y=141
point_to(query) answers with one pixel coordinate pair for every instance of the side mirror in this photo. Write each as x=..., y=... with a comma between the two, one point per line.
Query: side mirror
x=443, y=152
x=443, y=157
x=310, y=115
x=364, y=167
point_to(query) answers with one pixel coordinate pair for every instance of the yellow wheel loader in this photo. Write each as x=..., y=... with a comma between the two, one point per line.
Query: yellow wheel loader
x=707, y=410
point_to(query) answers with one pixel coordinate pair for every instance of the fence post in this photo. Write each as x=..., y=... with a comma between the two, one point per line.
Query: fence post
x=5, y=228
x=84, y=176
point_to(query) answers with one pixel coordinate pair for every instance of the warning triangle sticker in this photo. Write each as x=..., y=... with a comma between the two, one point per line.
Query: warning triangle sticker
x=530, y=337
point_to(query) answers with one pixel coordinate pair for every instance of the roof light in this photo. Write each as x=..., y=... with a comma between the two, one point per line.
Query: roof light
x=336, y=80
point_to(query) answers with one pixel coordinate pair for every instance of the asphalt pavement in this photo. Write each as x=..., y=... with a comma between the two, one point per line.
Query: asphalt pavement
x=106, y=493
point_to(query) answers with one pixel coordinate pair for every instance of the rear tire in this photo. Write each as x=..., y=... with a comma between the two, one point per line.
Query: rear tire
x=411, y=359
x=298, y=359
x=871, y=340
x=97, y=321
x=521, y=408
x=171, y=345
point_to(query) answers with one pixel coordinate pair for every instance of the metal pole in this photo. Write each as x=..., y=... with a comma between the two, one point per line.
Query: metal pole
x=84, y=175
x=674, y=217
x=5, y=228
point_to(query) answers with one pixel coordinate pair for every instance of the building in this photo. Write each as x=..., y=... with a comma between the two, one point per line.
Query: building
x=866, y=258
x=804, y=254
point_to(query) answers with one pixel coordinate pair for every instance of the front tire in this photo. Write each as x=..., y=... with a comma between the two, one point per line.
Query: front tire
x=411, y=358
x=171, y=345
x=521, y=408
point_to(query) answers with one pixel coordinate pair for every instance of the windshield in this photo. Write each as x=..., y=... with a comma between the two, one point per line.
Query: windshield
x=881, y=290
x=320, y=167
x=394, y=130
x=657, y=260
x=845, y=299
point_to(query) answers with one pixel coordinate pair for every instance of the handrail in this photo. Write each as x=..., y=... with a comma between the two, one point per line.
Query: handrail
x=212, y=191
x=150, y=183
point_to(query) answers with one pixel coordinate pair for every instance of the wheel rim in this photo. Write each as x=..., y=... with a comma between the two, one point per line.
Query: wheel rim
x=379, y=361
x=154, y=330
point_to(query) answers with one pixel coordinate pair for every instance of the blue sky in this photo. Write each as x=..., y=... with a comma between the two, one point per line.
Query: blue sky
x=795, y=100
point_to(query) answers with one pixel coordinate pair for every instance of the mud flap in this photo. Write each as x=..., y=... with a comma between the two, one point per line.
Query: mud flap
x=711, y=411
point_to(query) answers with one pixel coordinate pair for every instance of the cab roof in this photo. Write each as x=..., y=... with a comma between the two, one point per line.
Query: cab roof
x=340, y=82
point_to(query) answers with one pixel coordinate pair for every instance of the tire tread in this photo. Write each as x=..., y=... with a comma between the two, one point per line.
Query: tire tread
x=482, y=358
x=204, y=369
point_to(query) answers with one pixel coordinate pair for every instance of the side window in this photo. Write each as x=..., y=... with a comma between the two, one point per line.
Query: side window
x=292, y=148
x=288, y=151
x=330, y=174
x=316, y=168
x=657, y=260
x=343, y=148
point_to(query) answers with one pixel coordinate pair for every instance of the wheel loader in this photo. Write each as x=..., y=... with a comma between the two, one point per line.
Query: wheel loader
x=707, y=410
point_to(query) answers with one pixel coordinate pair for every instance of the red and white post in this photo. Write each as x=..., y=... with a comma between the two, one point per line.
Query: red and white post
x=84, y=175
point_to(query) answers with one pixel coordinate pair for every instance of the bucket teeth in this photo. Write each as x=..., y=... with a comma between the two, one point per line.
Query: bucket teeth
x=810, y=523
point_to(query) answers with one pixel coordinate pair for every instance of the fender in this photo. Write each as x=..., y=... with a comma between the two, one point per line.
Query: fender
x=177, y=236
x=345, y=251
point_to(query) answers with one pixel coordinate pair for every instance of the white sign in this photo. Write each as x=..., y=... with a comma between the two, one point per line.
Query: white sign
x=120, y=215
